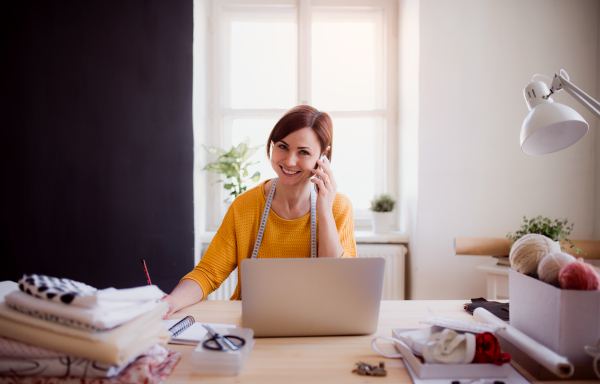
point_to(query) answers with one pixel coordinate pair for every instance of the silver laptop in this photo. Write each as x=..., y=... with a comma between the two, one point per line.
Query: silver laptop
x=311, y=297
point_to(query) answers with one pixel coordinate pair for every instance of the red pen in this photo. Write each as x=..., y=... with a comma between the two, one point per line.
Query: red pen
x=146, y=270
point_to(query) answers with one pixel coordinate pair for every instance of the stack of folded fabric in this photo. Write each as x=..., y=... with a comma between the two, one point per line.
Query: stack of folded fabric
x=61, y=328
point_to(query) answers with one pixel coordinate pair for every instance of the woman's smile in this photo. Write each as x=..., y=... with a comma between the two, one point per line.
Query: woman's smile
x=288, y=172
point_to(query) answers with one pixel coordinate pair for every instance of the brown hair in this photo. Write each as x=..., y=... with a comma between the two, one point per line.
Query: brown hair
x=299, y=117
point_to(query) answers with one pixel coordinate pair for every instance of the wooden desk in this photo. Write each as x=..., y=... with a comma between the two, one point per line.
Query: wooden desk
x=313, y=359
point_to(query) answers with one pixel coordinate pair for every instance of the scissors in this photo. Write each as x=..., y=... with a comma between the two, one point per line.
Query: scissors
x=222, y=343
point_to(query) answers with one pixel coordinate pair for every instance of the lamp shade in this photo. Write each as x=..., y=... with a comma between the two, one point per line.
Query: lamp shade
x=550, y=127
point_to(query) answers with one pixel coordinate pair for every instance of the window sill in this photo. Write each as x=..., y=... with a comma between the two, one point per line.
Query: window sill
x=362, y=237
x=368, y=237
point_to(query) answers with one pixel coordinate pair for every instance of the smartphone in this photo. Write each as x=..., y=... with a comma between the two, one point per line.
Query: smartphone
x=322, y=158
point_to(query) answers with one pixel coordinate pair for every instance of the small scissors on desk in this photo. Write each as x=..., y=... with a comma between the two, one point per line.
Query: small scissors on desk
x=222, y=343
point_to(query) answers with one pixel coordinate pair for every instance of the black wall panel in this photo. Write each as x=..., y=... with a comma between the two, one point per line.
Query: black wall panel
x=96, y=148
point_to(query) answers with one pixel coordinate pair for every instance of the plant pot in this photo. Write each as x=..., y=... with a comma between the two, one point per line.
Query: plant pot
x=381, y=222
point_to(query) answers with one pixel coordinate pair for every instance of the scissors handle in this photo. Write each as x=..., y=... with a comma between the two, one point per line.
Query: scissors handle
x=232, y=346
x=216, y=343
x=219, y=339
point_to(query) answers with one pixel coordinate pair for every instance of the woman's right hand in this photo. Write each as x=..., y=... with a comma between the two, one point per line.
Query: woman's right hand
x=186, y=293
x=171, y=301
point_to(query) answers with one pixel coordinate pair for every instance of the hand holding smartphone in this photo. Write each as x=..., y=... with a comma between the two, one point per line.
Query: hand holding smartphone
x=322, y=158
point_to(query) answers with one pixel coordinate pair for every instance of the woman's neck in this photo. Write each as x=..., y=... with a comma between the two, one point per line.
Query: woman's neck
x=290, y=202
x=292, y=195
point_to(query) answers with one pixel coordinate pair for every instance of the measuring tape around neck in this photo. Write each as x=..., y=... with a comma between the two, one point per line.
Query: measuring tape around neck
x=265, y=216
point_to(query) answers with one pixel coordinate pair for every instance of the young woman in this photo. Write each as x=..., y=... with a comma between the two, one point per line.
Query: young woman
x=294, y=147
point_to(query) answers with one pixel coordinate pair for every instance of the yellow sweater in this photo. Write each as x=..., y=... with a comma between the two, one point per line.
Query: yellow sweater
x=235, y=238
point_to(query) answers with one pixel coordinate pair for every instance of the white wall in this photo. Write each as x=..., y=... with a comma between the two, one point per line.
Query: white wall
x=473, y=180
x=200, y=116
x=408, y=118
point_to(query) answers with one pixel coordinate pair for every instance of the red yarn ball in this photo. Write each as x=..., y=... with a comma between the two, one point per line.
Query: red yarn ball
x=578, y=275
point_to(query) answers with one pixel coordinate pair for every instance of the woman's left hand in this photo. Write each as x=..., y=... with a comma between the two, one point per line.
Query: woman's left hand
x=327, y=188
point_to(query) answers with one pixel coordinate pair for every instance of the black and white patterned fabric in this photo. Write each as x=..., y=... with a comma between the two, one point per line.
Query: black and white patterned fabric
x=54, y=289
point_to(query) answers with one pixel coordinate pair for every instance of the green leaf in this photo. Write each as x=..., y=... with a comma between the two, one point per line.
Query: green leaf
x=251, y=151
x=238, y=152
x=557, y=230
x=214, y=150
x=234, y=166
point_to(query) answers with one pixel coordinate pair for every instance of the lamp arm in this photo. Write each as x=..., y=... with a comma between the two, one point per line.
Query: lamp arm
x=578, y=94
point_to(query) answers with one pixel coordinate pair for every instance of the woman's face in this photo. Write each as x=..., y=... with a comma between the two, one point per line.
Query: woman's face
x=295, y=156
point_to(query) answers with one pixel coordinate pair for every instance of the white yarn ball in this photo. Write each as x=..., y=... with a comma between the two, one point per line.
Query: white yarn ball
x=551, y=264
x=526, y=253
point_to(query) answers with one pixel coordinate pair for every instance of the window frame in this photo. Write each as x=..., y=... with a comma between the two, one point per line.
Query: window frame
x=218, y=135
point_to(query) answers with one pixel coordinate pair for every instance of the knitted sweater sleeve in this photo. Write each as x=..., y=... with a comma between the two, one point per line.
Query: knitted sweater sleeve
x=344, y=221
x=219, y=260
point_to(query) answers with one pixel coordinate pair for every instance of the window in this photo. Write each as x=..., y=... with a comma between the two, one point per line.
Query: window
x=338, y=56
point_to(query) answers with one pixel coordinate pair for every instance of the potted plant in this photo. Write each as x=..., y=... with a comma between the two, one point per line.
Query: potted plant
x=234, y=166
x=556, y=230
x=382, y=207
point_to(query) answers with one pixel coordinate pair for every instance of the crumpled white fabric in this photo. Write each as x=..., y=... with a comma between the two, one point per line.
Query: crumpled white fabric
x=417, y=339
x=449, y=347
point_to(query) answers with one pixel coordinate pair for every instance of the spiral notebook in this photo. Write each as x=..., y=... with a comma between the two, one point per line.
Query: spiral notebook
x=187, y=331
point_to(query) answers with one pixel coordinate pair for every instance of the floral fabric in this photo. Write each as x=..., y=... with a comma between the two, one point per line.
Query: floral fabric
x=152, y=367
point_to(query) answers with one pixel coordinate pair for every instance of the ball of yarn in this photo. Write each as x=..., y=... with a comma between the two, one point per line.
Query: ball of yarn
x=550, y=266
x=526, y=253
x=579, y=276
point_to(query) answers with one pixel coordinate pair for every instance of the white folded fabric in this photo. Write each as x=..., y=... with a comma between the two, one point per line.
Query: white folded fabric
x=73, y=293
x=122, y=333
x=117, y=347
x=91, y=319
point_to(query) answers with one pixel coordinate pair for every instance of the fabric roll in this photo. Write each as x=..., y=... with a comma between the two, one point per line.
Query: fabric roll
x=555, y=363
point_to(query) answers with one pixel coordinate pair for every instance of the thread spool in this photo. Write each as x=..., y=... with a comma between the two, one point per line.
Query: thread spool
x=578, y=276
x=527, y=252
x=550, y=266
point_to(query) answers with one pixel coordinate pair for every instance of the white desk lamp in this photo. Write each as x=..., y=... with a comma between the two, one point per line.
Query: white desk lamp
x=549, y=126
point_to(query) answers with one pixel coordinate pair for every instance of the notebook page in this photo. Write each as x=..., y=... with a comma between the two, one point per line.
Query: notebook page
x=195, y=333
